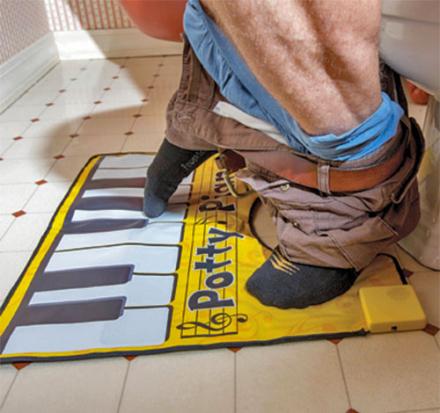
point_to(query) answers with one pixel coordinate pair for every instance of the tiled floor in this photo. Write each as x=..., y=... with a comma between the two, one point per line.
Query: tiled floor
x=85, y=107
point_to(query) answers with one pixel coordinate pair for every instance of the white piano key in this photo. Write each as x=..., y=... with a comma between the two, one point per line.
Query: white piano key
x=127, y=161
x=120, y=173
x=188, y=179
x=174, y=213
x=141, y=290
x=153, y=233
x=180, y=196
x=135, y=328
x=149, y=259
x=125, y=192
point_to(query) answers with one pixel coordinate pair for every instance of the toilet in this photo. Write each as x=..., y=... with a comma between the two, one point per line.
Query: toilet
x=410, y=44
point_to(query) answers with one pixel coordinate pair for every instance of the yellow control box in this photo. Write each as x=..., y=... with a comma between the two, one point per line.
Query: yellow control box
x=392, y=308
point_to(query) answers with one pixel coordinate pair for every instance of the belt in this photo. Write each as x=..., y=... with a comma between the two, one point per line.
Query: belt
x=306, y=172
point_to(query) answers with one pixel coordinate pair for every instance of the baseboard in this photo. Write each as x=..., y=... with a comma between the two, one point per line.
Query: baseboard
x=24, y=69
x=96, y=44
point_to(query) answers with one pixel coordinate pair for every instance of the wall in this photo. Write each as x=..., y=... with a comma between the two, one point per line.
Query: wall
x=73, y=15
x=22, y=22
x=92, y=29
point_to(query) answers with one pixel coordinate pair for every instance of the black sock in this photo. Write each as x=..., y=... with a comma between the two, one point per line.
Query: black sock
x=170, y=166
x=281, y=283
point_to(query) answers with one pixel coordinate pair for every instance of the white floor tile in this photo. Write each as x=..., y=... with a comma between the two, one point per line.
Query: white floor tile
x=155, y=106
x=150, y=124
x=9, y=130
x=132, y=95
x=21, y=113
x=65, y=170
x=13, y=263
x=115, y=109
x=147, y=142
x=67, y=69
x=54, y=81
x=392, y=372
x=106, y=126
x=67, y=111
x=80, y=95
x=5, y=144
x=147, y=61
x=49, y=83
x=427, y=286
x=141, y=67
x=37, y=97
x=37, y=148
x=172, y=67
x=15, y=171
x=164, y=88
x=70, y=387
x=14, y=196
x=97, y=64
x=25, y=232
x=299, y=377
x=139, y=79
x=126, y=81
x=47, y=197
x=52, y=128
x=181, y=382
x=7, y=376
x=94, y=81
x=92, y=145
x=5, y=223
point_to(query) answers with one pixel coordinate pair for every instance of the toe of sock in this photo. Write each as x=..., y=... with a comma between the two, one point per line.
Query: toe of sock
x=153, y=205
x=309, y=285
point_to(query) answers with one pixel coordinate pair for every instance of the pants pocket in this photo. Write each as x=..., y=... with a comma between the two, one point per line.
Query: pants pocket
x=361, y=244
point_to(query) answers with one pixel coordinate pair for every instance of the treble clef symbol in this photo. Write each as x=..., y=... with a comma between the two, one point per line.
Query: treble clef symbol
x=217, y=322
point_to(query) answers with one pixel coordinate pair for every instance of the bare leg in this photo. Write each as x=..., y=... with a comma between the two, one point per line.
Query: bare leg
x=318, y=58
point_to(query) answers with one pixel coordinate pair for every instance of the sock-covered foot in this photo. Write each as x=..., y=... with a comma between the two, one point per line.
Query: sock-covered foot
x=170, y=166
x=281, y=283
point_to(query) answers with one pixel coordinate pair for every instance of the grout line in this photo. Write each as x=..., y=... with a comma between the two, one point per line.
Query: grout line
x=235, y=382
x=30, y=197
x=6, y=231
x=123, y=387
x=344, y=378
x=8, y=147
x=427, y=409
x=2, y=404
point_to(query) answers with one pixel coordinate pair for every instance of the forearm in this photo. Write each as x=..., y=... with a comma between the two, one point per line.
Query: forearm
x=319, y=59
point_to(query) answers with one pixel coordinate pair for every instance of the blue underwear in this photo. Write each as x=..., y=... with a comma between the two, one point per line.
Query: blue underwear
x=240, y=87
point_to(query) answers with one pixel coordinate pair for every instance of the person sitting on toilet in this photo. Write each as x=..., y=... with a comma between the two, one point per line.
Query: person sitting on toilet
x=294, y=88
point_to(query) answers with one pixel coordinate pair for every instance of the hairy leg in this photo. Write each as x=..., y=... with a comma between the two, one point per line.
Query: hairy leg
x=318, y=58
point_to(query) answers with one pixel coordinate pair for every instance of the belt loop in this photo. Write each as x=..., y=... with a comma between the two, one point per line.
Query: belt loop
x=195, y=76
x=323, y=172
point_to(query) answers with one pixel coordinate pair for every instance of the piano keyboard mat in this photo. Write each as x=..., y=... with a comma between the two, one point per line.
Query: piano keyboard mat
x=106, y=281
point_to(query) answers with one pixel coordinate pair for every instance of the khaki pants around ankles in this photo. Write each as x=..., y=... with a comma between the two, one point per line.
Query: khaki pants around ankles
x=313, y=227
